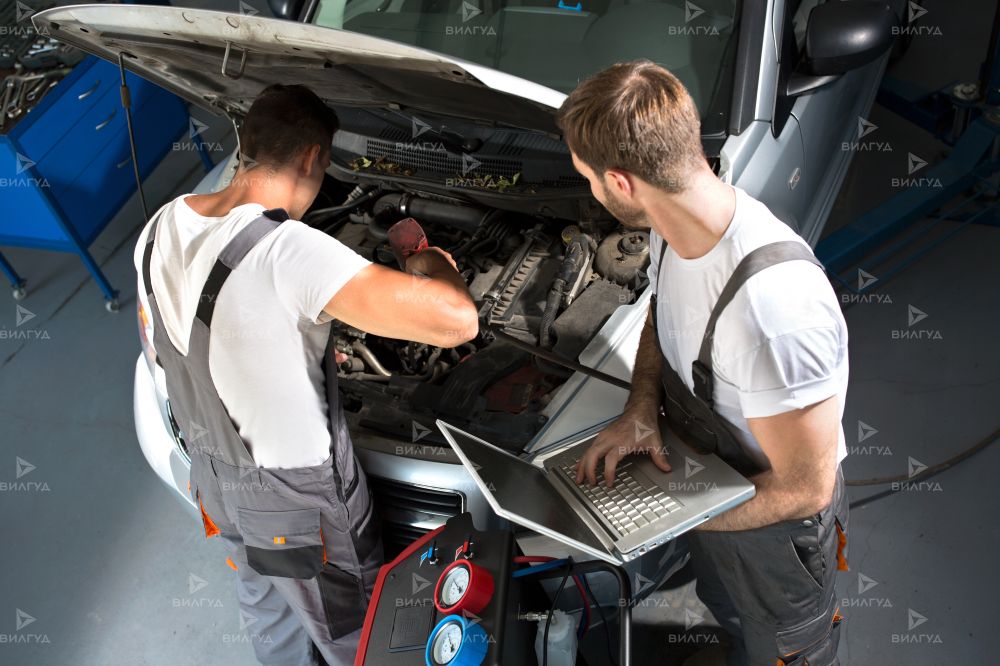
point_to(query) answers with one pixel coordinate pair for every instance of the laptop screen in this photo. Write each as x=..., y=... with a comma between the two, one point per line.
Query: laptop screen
x=522, y=489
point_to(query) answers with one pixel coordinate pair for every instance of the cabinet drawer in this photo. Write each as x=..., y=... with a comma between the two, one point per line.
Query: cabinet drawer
x=106, y=182
x=84, y=141
x=51, y=120
x=93, y=131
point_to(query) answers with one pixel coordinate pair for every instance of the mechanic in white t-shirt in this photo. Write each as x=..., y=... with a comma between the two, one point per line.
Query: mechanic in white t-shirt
x=242, y=295
x=774, y=390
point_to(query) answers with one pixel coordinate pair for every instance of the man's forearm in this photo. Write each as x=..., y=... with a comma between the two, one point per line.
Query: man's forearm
x=647, y=390
x=770, y=505
x=775, y=501
x=802, y=446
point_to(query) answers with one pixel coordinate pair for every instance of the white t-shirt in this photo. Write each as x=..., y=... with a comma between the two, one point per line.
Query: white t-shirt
x=269, y=330
x=780, y=344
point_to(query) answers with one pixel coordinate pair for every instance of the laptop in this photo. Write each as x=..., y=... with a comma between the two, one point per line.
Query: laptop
x=645, y=507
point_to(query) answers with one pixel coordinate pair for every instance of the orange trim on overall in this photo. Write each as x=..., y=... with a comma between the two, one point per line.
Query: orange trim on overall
x=232, y=565
x=837, y=617
x=211, y=529
x=322, y=541
x=841, y=544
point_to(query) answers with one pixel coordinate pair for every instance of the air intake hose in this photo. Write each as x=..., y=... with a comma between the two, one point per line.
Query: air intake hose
x=466, y=218
x=577, y=255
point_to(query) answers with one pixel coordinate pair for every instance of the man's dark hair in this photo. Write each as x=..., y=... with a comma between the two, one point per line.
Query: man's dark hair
x=282, y=122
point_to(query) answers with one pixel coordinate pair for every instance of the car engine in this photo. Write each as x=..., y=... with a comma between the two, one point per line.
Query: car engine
x=549, y=283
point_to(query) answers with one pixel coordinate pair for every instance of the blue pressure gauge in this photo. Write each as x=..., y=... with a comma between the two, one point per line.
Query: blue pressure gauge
x=456, y=642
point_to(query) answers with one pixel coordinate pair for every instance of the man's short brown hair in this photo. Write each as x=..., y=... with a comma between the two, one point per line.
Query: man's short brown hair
x=284, y=121
x=638, y=117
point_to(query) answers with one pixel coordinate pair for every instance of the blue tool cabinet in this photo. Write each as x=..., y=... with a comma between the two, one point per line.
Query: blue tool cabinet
x=66, y=167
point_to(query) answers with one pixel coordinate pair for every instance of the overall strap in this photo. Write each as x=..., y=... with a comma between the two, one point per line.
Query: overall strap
x=659, y=267
x=754, y=262
x=231, y=256
x=147, y=255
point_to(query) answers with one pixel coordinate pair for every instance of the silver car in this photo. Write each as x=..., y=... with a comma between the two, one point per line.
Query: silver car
x=447, y=115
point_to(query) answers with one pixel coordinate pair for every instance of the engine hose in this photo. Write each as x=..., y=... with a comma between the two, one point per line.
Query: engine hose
x=366, y=354
x=549, y=314
x=363, y=376
x=467, y=218
x=432, y=366
x=576, y=259
x=321, y=214
x=490, y=229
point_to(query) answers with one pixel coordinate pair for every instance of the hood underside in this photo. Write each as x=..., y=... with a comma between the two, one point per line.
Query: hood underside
x=184, y=51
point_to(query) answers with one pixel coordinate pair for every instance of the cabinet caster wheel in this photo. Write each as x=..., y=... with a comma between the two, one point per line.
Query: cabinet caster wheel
x=111, y=305
x=20, y=293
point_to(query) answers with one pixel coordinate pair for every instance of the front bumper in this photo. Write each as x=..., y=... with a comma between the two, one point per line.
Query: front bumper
x=156, y=439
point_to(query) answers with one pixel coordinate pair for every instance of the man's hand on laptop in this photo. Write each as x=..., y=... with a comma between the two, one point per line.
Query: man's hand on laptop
x=635, y=431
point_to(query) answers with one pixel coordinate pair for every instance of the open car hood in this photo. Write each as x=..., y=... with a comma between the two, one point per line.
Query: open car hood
x=183, y=50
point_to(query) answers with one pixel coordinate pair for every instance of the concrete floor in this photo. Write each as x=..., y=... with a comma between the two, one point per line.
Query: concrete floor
x=99, y=564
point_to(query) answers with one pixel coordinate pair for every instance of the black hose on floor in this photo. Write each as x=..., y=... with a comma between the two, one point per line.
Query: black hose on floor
x=933, y=470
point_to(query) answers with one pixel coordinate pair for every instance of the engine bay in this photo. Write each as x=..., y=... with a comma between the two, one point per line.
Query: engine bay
x=548, y=282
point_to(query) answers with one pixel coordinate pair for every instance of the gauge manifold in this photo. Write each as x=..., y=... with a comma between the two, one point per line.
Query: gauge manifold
x=463, y=586
x=456, y=642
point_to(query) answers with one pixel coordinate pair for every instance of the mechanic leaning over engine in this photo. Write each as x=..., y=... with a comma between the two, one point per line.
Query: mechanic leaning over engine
x=242, y=295
x=744, y=348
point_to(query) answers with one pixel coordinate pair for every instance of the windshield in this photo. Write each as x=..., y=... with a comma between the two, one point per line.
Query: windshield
x=557, y=44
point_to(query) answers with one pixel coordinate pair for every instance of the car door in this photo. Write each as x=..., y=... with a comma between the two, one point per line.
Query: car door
x=763, y=157
x=829, y=119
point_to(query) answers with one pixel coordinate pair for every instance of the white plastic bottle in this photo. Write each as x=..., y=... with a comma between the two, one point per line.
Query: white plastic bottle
x=562, y=640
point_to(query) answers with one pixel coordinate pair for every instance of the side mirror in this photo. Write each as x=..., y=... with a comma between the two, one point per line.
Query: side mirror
x=286, y=9
x=842, y=36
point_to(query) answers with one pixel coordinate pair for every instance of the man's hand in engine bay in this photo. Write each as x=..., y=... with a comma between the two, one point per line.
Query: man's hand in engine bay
x=428, y=261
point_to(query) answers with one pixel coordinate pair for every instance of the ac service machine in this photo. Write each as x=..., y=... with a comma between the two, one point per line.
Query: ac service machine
x=461, y=597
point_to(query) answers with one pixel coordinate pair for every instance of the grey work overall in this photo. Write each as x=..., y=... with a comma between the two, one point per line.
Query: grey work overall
x=304, y=540
x=771, y=588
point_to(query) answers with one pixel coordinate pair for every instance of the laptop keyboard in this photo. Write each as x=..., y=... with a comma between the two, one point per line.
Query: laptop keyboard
x=629, y=504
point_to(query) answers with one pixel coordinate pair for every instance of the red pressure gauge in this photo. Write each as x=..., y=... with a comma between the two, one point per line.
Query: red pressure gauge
x=463, y=586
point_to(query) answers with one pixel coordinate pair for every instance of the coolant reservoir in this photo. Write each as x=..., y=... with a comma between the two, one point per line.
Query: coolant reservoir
x=562, y=640
x=622, y=255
